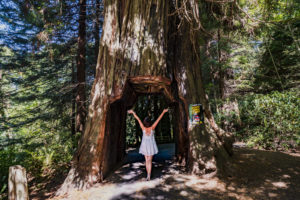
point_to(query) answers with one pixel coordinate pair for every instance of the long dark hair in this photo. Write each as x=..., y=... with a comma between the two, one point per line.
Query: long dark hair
x=147, y=122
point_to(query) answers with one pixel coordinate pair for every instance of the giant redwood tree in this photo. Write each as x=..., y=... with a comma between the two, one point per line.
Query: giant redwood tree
x=146, y=47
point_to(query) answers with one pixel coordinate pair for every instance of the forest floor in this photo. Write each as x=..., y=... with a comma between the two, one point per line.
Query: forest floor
x=256, y=174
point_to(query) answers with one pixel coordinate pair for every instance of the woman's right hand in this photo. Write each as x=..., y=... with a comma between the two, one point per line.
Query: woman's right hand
x=166, y=110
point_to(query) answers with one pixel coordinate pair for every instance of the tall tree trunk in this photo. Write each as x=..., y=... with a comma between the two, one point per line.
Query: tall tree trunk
x=221, y=70
x=81, y=97
x=2, y=100
x=212, y=73
x=97, y=28
x=73, y=101
x=142, y=51
x=1, y=97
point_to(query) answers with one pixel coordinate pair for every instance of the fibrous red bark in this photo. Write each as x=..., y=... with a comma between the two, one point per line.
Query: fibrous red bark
x=142, y=50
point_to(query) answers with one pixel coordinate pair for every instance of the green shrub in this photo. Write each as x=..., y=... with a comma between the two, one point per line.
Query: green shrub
x=39, y=152
x=271, y=121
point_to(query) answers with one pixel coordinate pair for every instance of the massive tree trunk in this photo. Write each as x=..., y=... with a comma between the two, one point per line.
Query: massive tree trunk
x=81, y=97
x=142, y=50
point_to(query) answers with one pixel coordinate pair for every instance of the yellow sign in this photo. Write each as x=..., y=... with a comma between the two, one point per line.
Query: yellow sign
x=196, y=113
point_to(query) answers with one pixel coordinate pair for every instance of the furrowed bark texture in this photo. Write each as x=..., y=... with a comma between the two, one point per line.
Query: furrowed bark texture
x=97, y=27
x=80, y=97
x=143, y=51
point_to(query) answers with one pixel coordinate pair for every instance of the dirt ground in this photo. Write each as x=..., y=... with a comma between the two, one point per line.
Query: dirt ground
x=256, y=174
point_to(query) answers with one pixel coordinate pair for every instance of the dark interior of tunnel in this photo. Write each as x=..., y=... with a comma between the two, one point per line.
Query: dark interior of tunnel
x=151, y=106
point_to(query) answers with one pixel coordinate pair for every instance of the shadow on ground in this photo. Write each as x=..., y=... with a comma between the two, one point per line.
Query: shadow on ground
x=45, y=187
x=263, y=174
x=133, y=168
x=255, y=174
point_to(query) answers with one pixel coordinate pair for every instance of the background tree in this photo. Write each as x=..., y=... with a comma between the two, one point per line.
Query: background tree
x=80, y=97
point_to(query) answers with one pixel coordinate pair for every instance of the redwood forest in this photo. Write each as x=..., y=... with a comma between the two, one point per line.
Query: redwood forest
x=149, y=99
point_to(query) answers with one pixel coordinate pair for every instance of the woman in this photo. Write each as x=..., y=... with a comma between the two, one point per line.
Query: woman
x=148, y=146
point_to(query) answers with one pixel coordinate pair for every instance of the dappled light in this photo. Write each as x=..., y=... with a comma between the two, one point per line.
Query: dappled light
x=256, y=174
x=90, y=90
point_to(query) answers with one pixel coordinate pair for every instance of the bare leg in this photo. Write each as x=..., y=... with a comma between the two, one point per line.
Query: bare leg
x=146, y=164
x=150, y=165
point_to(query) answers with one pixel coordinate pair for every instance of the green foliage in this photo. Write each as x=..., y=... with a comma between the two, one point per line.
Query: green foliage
x=37, y=59
x=269, y=121
x=37, y=56
x=280, y=64
x=244, y=62
x=263, y=58
x=132, y=131
x=38, y=152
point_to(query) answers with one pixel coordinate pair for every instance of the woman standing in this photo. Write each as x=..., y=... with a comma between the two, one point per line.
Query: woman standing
x=148, y=146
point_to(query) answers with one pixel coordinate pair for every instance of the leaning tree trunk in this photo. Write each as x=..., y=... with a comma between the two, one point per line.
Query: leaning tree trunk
x=143, y=51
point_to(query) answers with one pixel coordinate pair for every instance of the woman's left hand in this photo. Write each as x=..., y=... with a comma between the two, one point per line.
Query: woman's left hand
x=130, y=111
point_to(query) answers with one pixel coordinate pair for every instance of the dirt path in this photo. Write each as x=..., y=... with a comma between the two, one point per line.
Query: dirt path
x=256, y=174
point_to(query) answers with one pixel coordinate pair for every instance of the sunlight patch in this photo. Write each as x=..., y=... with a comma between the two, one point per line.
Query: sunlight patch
x=129, y=176
x=184, y=193
x=272, y=195
x=280, y=184
x=286, y=176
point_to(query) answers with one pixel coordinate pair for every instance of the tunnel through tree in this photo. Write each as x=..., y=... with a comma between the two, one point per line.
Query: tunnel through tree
x=137, y=87
x=145, y=48
x=150, y=105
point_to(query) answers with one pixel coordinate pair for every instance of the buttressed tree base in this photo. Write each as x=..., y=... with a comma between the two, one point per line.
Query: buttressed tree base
x=145, y=48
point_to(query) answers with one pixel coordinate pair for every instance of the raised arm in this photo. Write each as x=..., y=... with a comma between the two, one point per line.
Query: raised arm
x=159, y=118
x=137, y=118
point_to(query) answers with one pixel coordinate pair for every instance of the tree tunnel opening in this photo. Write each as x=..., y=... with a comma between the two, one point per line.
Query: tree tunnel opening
x=138, y=90
x=150, y=105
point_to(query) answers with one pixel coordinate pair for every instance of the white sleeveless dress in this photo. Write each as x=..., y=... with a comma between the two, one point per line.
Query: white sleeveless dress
x=148, y=146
